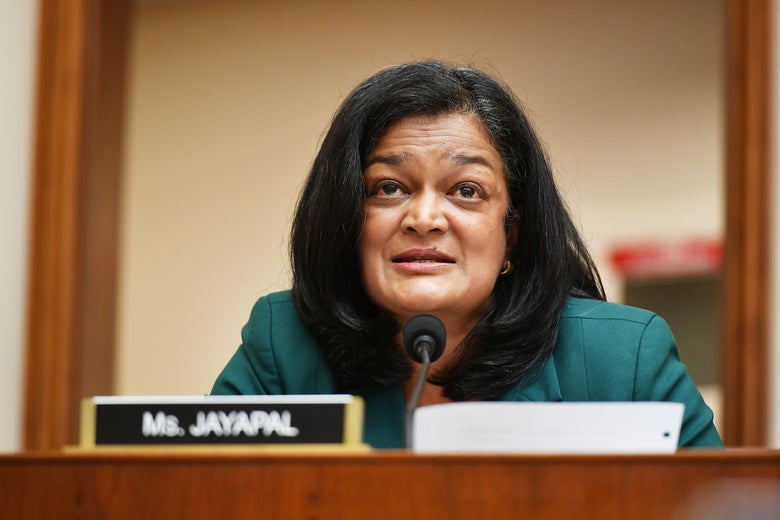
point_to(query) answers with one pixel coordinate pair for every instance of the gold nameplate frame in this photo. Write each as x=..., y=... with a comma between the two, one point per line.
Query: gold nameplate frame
x=281, y=421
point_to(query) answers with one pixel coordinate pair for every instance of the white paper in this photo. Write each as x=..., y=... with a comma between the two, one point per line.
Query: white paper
x=564, y=428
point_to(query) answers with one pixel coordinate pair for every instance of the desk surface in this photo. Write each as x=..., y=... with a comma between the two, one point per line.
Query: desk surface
x=199, y=484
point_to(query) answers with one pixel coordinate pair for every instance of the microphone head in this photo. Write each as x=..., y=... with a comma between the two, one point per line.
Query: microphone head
x=424, y=331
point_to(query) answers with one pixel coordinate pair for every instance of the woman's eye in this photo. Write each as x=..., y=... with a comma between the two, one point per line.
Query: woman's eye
x=467, y=191
x=386, y=189
x=389, y=189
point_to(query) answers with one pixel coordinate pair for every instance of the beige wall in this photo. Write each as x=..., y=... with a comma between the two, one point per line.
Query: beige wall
x=18, y=39
x=229, y=99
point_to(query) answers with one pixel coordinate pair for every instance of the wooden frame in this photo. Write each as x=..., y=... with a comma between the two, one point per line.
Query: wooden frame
x=72, y=280
x=747, y=281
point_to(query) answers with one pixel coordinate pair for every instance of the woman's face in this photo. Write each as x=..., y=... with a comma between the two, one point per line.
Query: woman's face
x=434, y=238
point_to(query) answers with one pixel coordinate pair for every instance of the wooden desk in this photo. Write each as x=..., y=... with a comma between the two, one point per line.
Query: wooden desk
x=383, y=485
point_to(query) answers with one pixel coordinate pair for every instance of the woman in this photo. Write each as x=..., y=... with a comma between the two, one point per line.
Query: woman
x=431, y=193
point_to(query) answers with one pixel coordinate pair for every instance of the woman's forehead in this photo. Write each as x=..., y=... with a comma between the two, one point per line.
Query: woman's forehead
x=447, y=130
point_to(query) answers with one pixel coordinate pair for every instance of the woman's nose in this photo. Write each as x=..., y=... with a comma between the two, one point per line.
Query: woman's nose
x=425, y=214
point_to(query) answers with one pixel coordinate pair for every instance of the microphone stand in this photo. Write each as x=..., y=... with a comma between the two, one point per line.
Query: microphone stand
x=411, y=406
x=424, y=340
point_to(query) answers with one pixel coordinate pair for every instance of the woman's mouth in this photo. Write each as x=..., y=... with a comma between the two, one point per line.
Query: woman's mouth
x=422, y=260
x=423, y=255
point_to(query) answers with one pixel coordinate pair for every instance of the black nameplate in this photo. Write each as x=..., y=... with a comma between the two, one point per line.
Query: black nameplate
x=281, y=420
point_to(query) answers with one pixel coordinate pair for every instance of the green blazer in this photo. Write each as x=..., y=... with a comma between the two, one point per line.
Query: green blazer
x=605, y=352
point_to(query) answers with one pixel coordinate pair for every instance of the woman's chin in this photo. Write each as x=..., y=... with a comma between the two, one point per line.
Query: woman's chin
x=408, y=298
x=412, y=304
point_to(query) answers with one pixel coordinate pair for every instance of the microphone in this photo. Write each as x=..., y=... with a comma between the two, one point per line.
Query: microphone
x=424, y=340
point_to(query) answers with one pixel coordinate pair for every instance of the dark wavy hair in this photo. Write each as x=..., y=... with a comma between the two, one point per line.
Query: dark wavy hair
x=519, y=330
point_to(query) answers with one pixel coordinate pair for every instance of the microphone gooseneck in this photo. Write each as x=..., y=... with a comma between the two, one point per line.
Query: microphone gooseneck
x=424, y=339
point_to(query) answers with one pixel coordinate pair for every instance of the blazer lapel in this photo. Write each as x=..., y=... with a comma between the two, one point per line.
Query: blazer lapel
x=542, y=388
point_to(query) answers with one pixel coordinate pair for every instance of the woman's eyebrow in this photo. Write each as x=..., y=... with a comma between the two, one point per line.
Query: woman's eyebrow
x=462, y=159
x=392, y=159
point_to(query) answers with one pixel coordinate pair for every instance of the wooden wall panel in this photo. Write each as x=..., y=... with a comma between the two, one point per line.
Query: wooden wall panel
x=71, y=290
x=747, y=280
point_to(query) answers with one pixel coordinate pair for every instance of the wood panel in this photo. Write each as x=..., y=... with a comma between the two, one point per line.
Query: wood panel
x=390, y=485
x=747, y=281
x=71, y=291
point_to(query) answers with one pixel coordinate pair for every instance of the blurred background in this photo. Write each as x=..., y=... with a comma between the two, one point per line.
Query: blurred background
x=227, y=101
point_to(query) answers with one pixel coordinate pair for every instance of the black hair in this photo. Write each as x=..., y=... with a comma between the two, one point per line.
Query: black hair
x=519, y=330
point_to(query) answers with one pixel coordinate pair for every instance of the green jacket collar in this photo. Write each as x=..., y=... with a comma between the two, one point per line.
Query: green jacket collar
x=543, y=387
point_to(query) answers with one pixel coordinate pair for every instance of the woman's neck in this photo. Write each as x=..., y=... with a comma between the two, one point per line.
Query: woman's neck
x=433, y=394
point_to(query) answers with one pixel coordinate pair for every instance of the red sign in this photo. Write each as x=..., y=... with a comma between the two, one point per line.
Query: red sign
x=668, y=259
